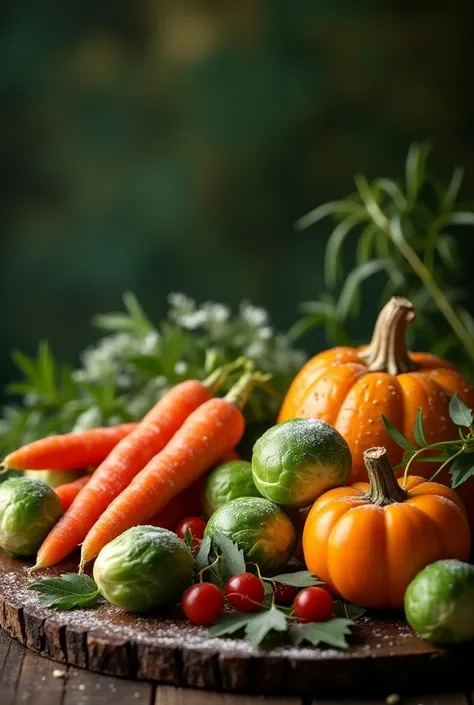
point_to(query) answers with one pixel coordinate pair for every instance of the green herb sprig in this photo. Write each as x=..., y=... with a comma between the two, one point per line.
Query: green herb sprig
x=403, y=231
x=458, y=453
x=70, y=591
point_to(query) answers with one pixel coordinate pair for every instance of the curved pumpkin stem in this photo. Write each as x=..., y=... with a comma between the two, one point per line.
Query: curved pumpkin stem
x=387, y=351
x=384, y=488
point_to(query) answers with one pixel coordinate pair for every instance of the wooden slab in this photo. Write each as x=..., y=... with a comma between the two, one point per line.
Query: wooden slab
x=385, y=656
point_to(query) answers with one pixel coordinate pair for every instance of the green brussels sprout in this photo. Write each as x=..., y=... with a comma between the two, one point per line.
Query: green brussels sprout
x=144, y=569
x=28, y=511
x=54, y=478
x=260, y=528
x=226, y=482
x=295, y=462
x=439, y=602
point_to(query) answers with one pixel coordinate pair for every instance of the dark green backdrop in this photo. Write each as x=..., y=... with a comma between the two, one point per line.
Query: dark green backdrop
x=171, y=145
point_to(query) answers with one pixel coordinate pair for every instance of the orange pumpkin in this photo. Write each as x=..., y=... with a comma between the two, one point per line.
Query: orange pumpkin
x=367, y=542
x=351, y=388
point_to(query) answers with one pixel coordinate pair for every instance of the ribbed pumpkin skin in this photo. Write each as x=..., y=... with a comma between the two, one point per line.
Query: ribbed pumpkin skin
x=338, y=386
x=369, y=554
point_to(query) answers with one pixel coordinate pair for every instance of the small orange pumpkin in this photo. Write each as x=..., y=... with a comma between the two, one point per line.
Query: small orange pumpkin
x=351, y=388
x=367, y=542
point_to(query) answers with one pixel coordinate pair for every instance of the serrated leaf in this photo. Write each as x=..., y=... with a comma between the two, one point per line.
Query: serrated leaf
x=347, y=609
x=301, y=578
x=331, y=633
x=202, y=557
x=229, y=624
x=397, y=436
x=232, y=555
x=419, y=431
x=67, y=592
x=261, y=625
x=460, y=414
x=461, y=469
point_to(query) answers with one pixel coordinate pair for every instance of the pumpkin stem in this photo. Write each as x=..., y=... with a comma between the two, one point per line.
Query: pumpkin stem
x=387, y=351
x=384, y=488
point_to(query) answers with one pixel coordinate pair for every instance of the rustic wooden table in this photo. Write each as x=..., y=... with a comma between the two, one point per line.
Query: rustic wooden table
x=26, y=678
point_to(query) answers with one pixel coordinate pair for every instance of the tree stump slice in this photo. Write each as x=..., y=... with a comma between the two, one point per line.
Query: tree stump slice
x=385, y=655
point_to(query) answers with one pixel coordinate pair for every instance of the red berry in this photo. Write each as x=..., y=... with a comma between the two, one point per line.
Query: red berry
x=243, y=591
x=203, y=603
x=196, y=525
x=284, y=594
x=313, y=604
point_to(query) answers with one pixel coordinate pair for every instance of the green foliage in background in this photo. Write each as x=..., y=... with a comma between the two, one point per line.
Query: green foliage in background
x=403, y=229
x=136, y=362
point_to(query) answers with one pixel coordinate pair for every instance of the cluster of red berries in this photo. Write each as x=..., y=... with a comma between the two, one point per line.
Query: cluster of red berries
x=203, y=603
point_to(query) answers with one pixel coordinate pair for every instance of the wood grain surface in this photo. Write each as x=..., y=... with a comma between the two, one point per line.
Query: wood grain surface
x=385, y=656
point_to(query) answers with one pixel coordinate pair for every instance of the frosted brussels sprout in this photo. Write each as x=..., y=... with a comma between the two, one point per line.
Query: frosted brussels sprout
x=28, y=511
x=439, y=602
x=144, y=569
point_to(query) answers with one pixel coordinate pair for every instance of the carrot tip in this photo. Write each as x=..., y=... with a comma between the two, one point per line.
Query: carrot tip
x=82, y=565
x=37, y=566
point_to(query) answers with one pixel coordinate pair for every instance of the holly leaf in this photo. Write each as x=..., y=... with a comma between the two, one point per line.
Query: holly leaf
x=229, y=624
x=331, y=633
x=419, y=431
x=260, y=626
x=67, y=592
x=188, y=538
x=397, y=436
x=232, y=555
x=460, y=414
x=347, y=609
x=300, y=579
x=461, y=469
x=202, y=557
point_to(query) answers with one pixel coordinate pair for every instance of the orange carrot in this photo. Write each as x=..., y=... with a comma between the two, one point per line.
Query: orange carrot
x=230, y=455
x=67, y=493
x=186, y=504
x=69, y=451
x=210, y=431
x=123, y=463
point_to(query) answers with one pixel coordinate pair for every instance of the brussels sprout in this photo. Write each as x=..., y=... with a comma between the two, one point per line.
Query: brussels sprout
x=144, y=569
x=54, y=478
x=28, y=511
x=439, y=602
x=226, y=482
x=260, y=528
x=295, y=462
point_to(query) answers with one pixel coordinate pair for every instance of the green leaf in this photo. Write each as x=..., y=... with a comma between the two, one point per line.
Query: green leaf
x=354, y=280
x=462, y=469
x=415, y=170
x=419, y=431
x=397, y=436
x=333, y=256
x=332, y=632
x=188, y=538
x=462, y=218
x=347, y=609
x=366, y=242
x=114, y=322
x=447, y=249
x=232, y=555
x=460, y=414
x=452, y=192
x=202, y=557
x=394, y=191
x=67, y=592
x=141, y=321
x=229, y=624
x=261, y=625
x=301, y=578
x=339, y=208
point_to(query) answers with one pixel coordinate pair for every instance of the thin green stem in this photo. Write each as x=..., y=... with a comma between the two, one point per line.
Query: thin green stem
x=446, y=462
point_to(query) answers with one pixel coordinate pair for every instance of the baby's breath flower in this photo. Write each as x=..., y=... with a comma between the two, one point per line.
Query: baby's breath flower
x=265, y=333
x=181, y=301
x=181, y=367
x=253, y=315
x=192, y=320
x=150, y=343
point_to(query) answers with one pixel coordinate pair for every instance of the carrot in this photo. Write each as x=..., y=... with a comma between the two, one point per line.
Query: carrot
x=67, y=493
x=123, y=463
x=68, y=451
x=230, y=455
x=187, y=503
x=210, y=431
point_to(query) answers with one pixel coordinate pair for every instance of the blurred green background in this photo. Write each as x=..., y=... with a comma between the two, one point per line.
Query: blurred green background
x=170, y=146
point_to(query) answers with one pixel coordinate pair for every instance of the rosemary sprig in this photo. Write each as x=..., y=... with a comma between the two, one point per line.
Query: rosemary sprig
x=402, y=232
x=459, y=453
